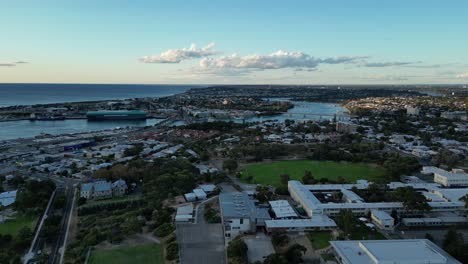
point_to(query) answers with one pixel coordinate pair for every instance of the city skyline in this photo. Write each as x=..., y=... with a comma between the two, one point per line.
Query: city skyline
x=304, y=42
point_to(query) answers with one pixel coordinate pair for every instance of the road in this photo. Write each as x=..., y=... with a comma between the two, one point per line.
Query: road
x=35, y=243
x=59, y=249
x=63, y=186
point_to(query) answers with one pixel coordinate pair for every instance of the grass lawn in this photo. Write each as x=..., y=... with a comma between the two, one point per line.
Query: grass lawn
x=144, y=254
x=364, y=233
x=319, y=239
x=12, y=226
x=269, y=173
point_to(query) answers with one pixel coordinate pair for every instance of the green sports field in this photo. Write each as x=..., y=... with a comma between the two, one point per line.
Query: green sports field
x=12, y=226
x=144, y=254
x=269, y=173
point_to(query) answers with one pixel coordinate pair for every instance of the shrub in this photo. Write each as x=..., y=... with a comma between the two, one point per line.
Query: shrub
x=164, y=230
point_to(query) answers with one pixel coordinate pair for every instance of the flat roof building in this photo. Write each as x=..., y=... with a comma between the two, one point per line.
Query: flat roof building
x=411, y=251
x=240, y=214
x=282, y=209
x=382, y=219
x=447, y=178
x=318, y=222
x=184, y=213
x=312, y=205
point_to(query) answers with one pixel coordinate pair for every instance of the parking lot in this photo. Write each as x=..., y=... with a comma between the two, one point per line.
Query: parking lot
x=259, y=247
x=201, y=243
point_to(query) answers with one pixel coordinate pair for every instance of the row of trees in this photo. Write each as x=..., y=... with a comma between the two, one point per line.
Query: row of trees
x=160, y=180
x=292, y=255
x=31, y=201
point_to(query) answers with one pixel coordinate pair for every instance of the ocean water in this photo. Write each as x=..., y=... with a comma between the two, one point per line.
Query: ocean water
x=307, y=111
x=28, y=94
x=28, y=129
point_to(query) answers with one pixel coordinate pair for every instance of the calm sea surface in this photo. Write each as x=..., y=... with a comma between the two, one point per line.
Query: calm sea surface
x=27, y=129
x=28, y=94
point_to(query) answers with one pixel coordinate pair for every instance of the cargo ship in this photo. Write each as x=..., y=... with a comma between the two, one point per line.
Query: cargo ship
x=116, y=115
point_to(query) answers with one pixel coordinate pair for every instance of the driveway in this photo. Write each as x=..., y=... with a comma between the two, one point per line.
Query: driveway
x=201, y=243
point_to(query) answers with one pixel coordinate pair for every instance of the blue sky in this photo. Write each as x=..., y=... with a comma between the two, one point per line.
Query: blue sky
x=299, y=42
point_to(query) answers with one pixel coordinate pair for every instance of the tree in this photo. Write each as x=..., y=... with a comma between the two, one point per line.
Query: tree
x=337, y=195
x=81, y=201
x=279, y=239
x=346, y=221
x=263, y=194
x=172, y=251
x=411, y=199
x=308, y=178
x=134, y=151
x=275, y=258
x=454, y=244
x=429, y=237
x=237, y=249
x=24, y=233
x=284, y=178
x=164, y=230
x=230, y=165
x=394, y=214
x=294, y=253
x=465, y=199
x=282, y=190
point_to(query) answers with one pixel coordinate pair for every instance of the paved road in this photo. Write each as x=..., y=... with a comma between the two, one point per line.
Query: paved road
x=59, y=250
x=200, y=209
x=35, y=243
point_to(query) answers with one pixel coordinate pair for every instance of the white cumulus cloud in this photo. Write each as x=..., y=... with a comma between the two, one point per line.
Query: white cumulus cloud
x=178, y=55
x=277, y=60
x=463, y=75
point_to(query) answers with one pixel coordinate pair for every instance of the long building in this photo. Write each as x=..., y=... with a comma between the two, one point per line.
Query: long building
x=312, y=205
x=454, y=178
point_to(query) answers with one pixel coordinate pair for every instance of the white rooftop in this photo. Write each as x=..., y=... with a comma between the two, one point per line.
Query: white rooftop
x=7, y=198
x=315, y=221
x=382, y=215
x=185, y=210
x=452, y=195
x=282, y=209
x=411, y=251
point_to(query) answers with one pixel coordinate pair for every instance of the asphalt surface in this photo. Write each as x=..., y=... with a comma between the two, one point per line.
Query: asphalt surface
x=201, y=243
x=56, y=254
x=259, y=247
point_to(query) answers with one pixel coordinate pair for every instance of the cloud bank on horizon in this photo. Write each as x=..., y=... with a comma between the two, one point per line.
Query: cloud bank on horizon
x=296, y=60
x=12, y=64
x=178, y=55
